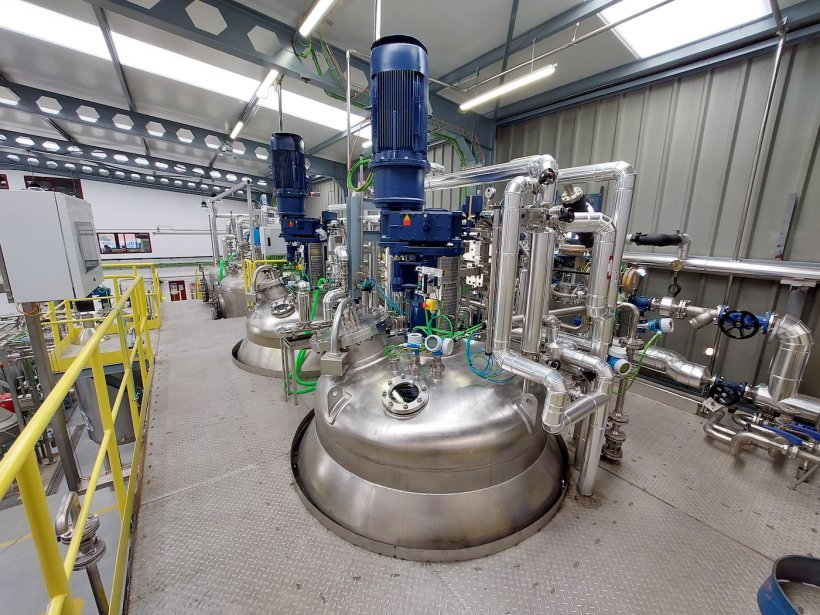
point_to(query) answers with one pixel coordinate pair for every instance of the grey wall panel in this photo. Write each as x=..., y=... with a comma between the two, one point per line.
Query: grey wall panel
x=692, y=144
x=445, y=154
x=330, y=193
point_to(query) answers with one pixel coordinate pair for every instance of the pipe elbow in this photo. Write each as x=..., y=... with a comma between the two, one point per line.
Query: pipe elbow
x=624, y=173
x=539, y=164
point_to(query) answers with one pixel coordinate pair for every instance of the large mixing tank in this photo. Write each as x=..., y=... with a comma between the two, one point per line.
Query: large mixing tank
x=427, y=470
x=260, y=352
x=232, y=298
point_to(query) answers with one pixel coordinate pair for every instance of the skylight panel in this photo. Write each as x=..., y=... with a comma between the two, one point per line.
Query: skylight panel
x=680, y=22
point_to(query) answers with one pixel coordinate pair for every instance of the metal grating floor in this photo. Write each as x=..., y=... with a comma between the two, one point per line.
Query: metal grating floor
x=680, y=527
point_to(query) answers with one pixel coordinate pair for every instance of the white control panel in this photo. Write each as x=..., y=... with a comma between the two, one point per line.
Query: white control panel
x=48, y=246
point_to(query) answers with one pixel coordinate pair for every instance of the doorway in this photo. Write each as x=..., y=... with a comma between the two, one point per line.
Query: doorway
x=176, y=288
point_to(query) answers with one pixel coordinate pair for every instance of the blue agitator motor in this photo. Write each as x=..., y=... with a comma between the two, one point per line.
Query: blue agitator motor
x=291, y=188
x=399, y=92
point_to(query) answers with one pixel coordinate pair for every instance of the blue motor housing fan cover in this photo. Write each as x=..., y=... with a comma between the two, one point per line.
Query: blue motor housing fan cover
x=399, y=98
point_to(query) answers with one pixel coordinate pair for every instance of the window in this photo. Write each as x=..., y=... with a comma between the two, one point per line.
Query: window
x=65, y=185
x=679, y=23
x=4, y=182
x=124, y=243
x=88, y=251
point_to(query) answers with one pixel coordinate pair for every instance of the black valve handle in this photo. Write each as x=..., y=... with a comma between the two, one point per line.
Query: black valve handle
x=656, y=239
x=738, y=324
x=724, y=394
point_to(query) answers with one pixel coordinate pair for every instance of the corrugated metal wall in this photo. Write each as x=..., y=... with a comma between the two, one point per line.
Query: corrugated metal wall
x=330, y=193
x=691, y=142
x=446, y=155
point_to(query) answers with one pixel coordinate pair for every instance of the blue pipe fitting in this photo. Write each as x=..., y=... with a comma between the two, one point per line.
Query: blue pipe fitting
x=663, y=325
x=641, y=302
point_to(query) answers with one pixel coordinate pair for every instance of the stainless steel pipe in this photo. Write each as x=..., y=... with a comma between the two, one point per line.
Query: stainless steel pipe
x=677, y=367
x=744, y=268
x=531, y=167
x=794, y=343
x=542, y=250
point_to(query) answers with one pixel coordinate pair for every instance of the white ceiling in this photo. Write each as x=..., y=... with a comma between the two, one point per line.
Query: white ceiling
x=454, y=31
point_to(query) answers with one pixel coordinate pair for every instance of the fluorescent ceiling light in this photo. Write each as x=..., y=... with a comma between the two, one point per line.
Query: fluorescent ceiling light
x=541, y=73
x=679, y=23
x=53, y=27
x=65, y=31
x=311, y=110
x=264, y=86
x=236, y=130
x=158, y=61
x=318, y=11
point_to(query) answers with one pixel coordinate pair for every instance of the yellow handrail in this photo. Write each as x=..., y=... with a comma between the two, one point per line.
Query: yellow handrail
x=20, y=462
x=249, y=267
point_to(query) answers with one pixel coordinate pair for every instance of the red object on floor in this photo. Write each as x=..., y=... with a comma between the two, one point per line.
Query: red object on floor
x=5, y=402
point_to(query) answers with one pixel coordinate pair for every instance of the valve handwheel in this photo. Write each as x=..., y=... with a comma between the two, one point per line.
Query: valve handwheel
x=739, y=324
x=724, y=394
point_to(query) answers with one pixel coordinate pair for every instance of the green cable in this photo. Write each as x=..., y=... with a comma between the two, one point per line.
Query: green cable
x=651, y=341
x=368, y=182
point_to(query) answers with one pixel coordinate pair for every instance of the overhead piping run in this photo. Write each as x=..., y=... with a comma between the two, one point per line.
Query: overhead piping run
x=572, y=43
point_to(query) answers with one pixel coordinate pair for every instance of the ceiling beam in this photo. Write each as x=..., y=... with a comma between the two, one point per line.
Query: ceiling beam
x=731, y=46
x=507, y=46
x=102, y=20
x=150, y=127
x=258, y=38
x=523, y=41
x=126, y=181
x=127, y=163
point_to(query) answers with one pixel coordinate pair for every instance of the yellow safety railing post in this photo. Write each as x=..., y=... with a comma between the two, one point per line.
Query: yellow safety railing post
x=33, y=495
x=128, y=374
x=20, y=462
x=104, y=405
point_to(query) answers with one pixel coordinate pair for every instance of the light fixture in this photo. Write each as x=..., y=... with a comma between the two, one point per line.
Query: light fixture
x=236, y=130
x=527, y=79
x=709, y=351
x=367, y=144
x=314, y=111
x=264, y=85
x=316, y=13
x=53, y=27
x=652, y=33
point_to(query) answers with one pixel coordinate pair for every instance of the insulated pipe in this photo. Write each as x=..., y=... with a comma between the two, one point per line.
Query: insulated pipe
x=676, y=367
x=600, y=300
x=507, y=260
x=250, y=221
x=594, y=406
x=551, y=378
x=768, y=270
x=328, y=302
x=529, y=167
x=337, y=323
x=801, y=406
x=542, y=249
x=790, y=359
x=602, y=326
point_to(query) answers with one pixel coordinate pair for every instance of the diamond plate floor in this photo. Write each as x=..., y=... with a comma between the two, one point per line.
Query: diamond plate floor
x=679, y=527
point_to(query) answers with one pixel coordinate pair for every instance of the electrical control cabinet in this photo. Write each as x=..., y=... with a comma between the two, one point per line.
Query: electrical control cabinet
x=48, y=246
